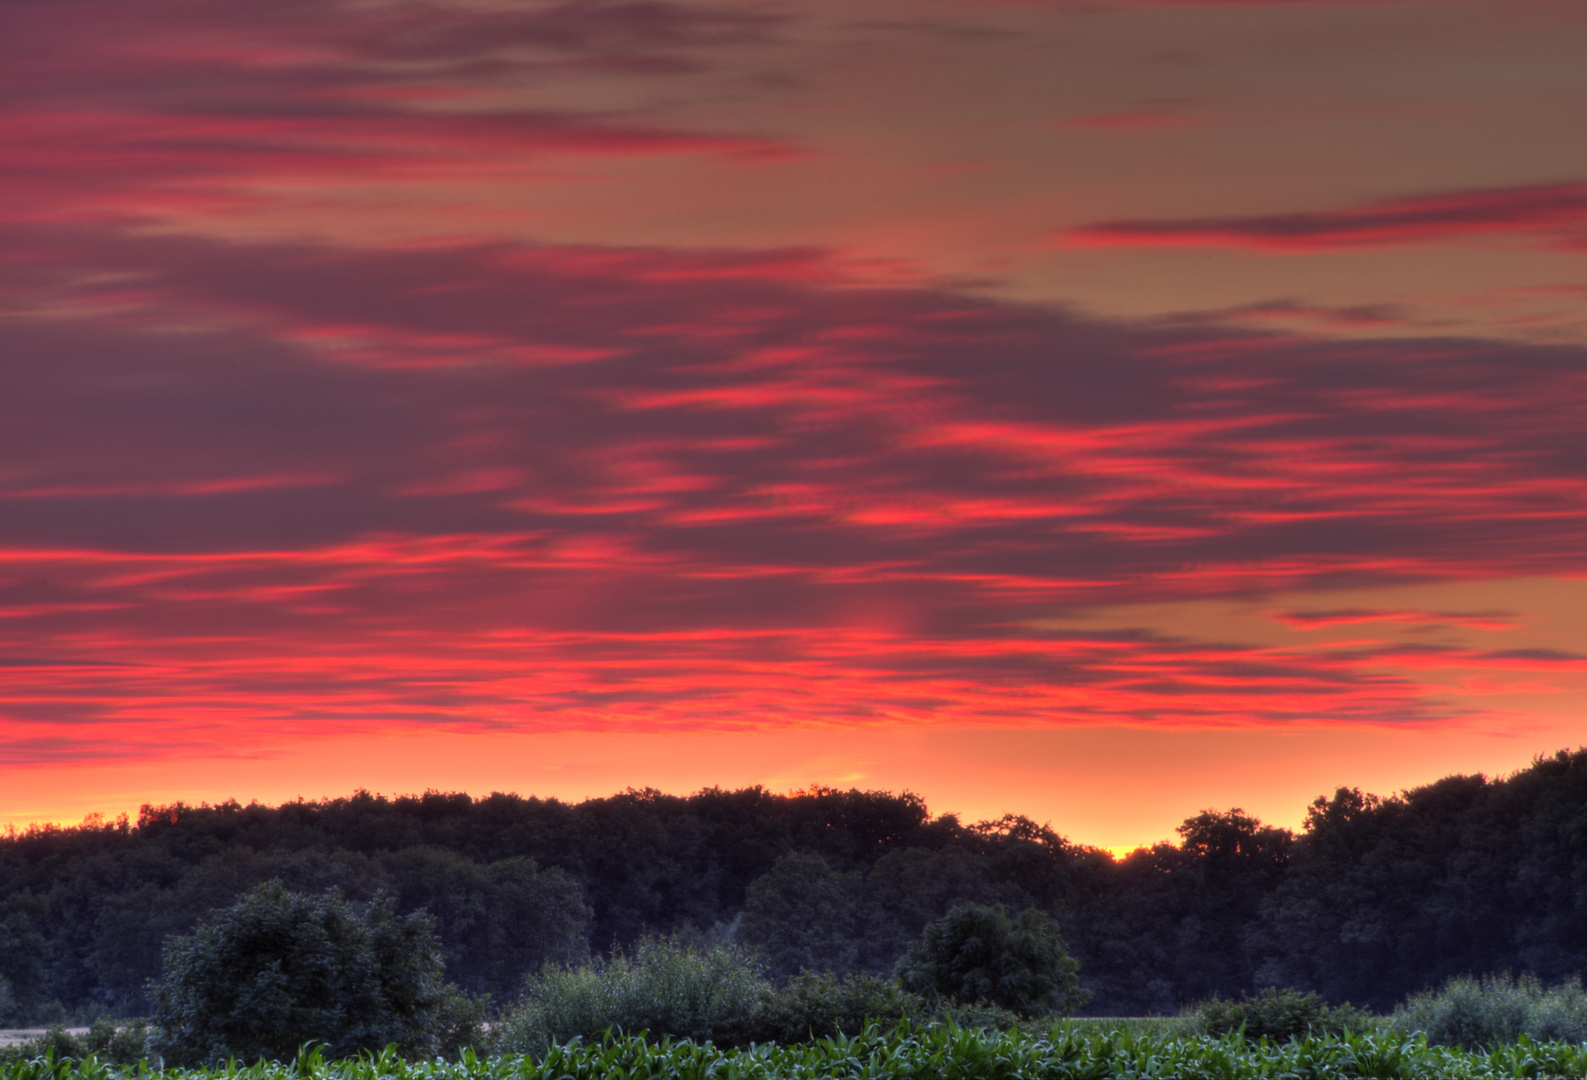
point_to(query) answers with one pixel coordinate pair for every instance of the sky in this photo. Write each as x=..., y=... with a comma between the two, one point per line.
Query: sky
x=1100, y=411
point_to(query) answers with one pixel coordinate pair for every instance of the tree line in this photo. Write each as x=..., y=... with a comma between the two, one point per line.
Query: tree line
x=1373, y=899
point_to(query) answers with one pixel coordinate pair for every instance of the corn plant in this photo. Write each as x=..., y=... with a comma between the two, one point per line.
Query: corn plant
x=905, y=1051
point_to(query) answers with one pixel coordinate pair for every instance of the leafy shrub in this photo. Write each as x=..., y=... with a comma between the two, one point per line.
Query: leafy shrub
x=666, y=987
x=120, y=1044
x=977, y=955
x=56, y=1041
x=1279, y=1015
x=461, y=1021
x=49, y=1014
x=280, y=968
x=126, y=1044
x=816, y=1006
x=1494, y=1010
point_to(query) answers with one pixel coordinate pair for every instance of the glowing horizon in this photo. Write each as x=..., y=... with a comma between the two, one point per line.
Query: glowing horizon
x=1097, y=411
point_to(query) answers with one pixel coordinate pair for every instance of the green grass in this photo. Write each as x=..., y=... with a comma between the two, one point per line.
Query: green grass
x=905, y=1051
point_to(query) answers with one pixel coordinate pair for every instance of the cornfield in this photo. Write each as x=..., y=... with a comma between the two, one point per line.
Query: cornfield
x=904, y=1052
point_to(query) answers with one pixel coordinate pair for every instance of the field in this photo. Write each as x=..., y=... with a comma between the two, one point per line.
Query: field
x=905, y=1051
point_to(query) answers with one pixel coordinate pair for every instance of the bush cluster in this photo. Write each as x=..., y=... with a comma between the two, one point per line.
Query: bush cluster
x=1494, y=1010
x=975, y=967
x=1279, y=1015
x=715, y=993
x=123, y=1044
x=819, y=1006
x=665, y=987
x=281, y=969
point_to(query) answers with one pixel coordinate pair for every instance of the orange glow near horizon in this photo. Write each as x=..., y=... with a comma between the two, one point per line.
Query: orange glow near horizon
x=1114, y=788
x=1090, y=411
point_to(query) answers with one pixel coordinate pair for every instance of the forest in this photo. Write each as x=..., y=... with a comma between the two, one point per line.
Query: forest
x=1373, y=899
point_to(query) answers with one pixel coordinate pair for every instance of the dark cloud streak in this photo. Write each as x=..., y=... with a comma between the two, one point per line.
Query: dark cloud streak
x=1554, y=214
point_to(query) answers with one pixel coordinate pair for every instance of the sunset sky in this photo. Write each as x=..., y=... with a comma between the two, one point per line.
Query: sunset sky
x=1093, y=409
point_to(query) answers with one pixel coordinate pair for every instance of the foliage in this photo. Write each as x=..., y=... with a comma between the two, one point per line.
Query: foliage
x=712, y=992
x=907, y=889
x=977, y=955
x=279, y=969
x=1494, y=1010
x=666, y=987
x=981, y=1016
x=461, y=1021
x=1375, y=899
x=804, y=916
x=908, y=1051
x=1383, y=897
x=24, y=954
x=1134, y=1026
x=1279, y=1015
x=502, y=918
x=813, y=1006
x=119, y=1044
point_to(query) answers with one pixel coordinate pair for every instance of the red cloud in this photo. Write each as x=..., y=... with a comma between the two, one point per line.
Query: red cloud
x=1556, y=212
x=255, y=486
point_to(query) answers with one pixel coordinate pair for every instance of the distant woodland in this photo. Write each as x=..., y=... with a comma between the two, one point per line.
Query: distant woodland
x=1373, y=899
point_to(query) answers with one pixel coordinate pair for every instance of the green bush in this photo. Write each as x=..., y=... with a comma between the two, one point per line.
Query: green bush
x=56, y=1041
x=713, y=992
x=123, y=1044
x=120, y=1044
x=818, y=1006
x=977, y=955
x=279, y=969
x=1280, y=1015
x=461, y=1021
x=1495, y=1010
